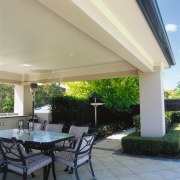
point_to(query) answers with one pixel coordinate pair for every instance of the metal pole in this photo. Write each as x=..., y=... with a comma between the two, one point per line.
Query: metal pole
x=33, y=104
x=95, y=115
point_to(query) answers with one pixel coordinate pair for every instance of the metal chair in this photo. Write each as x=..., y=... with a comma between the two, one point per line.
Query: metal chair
x=1, y=162
x=38, y=126
x=54, y=127
x=21, y=124
x=77, y=131
x=18, y=161
x=78, y=156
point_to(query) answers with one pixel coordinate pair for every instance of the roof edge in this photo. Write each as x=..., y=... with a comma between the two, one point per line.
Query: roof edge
x=152, y=14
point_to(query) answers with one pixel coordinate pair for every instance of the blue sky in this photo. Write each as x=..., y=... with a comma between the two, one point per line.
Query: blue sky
x=170, y=12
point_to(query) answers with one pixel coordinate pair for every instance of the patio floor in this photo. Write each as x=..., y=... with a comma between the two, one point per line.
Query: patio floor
x=111, y=164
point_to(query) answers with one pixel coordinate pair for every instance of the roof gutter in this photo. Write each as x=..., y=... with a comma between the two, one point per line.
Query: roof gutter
x=152, y=14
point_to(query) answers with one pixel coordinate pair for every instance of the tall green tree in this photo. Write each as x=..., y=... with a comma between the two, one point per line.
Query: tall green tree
x=176, y=94
x=6, y=98
x=46, y=91
x=117, y=94
x=166, y=94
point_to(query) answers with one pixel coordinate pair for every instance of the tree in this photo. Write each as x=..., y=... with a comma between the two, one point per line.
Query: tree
x=166, y=94
x=178, y=86
x=176, y=94
x=46, y=91
x=6, y=98
x=117, y=94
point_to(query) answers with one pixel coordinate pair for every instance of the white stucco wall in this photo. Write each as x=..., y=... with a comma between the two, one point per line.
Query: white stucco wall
x=43, y=113
x=12, y=122
x=22, y=100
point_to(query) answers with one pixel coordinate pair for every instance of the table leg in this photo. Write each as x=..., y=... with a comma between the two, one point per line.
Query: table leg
x=53, y=167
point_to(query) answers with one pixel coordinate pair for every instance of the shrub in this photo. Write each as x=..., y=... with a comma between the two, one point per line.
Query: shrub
x=168, y=120
x=169, y=144
x=70, y=110
x=172, y=104
x=106, y=130
x=137, y=124
x=175, y=117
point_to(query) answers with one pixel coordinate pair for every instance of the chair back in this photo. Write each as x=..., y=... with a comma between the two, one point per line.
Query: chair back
x=78, y=131
x=21, y=124
x=12, y=151
x=85, y=145
x=54, y=127
x=38, y=126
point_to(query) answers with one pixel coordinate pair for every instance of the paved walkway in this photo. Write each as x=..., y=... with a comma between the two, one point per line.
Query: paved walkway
x=111, y=164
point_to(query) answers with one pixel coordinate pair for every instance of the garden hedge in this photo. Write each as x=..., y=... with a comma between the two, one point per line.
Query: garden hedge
x=70, y=110
x=167, y=145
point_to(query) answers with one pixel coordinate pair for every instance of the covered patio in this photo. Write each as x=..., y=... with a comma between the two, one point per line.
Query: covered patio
x=111, y=164
x=55, y=41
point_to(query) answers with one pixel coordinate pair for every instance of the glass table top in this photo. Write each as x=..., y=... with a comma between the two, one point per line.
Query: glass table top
x=35, y=136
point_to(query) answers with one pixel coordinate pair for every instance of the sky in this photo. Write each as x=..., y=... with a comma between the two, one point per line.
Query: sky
x=170, y=12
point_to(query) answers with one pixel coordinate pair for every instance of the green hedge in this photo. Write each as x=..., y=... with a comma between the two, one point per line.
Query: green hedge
x=70, y=110
x=168, y=145
x=172, y=104
x=175, y=117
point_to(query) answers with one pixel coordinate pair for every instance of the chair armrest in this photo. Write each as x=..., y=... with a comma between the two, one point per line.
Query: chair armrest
x=70, y=150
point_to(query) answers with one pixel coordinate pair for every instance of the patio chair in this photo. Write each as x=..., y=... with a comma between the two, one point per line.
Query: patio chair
x=21, y=124
x=78, y=156
x=40, y=126
x=16, y=159
x=1, y=162
x=54, y=127
x=77, y=131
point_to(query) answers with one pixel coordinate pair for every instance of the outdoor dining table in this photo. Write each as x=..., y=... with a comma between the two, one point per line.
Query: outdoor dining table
x=44, y=139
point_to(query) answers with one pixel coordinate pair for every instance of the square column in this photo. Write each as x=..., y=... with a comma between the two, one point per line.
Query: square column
x=22, y=100
x=152, y=104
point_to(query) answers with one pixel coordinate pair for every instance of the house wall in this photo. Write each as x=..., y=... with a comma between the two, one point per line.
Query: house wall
x=11, y=122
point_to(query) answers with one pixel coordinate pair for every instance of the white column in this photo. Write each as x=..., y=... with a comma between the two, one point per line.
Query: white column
x=22, y=100
x=152, y=104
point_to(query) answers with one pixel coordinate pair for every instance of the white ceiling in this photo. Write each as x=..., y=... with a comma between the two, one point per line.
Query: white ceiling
x=65, y=40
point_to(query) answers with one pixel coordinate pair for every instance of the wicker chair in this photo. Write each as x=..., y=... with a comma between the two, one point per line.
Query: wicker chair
x=78, y=156
x=18, y=161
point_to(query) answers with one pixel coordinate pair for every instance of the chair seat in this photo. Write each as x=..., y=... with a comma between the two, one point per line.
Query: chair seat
x=33, y=163
x=68, y=158
x=63, y=145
